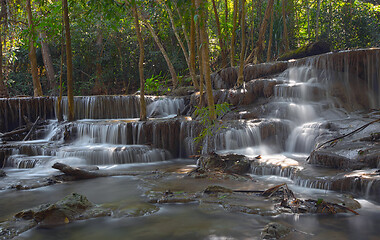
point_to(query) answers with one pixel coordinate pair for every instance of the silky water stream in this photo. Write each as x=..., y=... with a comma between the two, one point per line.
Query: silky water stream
x=291, y=123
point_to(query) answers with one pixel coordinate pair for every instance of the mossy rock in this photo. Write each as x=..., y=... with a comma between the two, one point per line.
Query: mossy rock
x=214, y=189
x=312, y=49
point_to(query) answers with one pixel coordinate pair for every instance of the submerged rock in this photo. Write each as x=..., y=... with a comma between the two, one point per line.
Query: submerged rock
x=72, y=207
x=231, y=163
x=275, y=230
x=2, y=173
x=217, y=189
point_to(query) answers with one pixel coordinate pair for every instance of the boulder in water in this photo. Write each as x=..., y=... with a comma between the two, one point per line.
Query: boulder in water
x=275, y=230
x=230, y=163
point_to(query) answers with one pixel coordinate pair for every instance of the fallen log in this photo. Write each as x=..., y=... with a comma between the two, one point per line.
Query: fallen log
x=31, y=129
x=78, y=173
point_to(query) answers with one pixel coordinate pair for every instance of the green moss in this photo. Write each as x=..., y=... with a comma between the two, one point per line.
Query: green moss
x=306, y=51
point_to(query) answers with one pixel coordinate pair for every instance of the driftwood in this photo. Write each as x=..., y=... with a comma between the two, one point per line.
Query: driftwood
x=14, y=132
x=289, y=200
x=31, y=129
x=78, y=173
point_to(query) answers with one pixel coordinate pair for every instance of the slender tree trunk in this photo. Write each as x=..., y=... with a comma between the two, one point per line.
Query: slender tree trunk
x=206, y=58
x=317, y=20
x=200, y=60
x=3, y=87
x=69, y=62
x=37, y=89
x=162, y=49
x=3, y=19
x=141, y=63
x=260, y=45
x=234, y=19
x=48, y=62
x=182, y=24
x=220, y=36
x=240, y=79
x=192, y=47
x=285, y=36
x=226, y=11
x=270, y=37
x=98, y=86
x=308, y=19
x=59, y=104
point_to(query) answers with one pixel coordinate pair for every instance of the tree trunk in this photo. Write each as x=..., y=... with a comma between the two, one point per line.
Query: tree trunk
x=285, y=36
x=260, y=45
x=200, y=60
x=308, y=19
x=3, y=19
x=317, y=20
x=234, y=20
x=192, y=46
x=59, y=103
x=48, y=62
x=206, y=59
x=182, y=24
x=141, y=63
x=270, y=37
x=37, y=89
x=220, y=37
x=162, y=49
x=98, y=88
x=69, y=62
x=240, y=79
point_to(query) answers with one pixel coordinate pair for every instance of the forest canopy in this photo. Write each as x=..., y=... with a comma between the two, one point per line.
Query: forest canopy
x=105, y=47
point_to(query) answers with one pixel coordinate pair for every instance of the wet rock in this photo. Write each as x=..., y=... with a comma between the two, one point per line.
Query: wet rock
x=227, y=77
x=72, y=207
x=171, y=197
x=360, y=182
x=231, y=163
x=214, y=189
x=275, y=230
x=63, y=211
x=349, y=156
x=2, y=173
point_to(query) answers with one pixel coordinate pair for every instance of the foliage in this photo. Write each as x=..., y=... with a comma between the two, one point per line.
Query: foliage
x=210, y=127
x=153, y=84
x=343, y=24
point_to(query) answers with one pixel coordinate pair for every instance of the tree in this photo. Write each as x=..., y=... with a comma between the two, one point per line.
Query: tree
x=3, y=18
x=48, y=62
x=141, y=62
x=240, y=79
x=69, y=62
x=162, y=49
x=202, y=6
x=223, y=50
x=32, y=52
x=234, y=22
x=270, y=37
x=257, y=52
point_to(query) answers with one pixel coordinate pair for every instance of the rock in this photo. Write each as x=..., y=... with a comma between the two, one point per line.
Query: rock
x=227, y=77
x=231, y=163
x=171, y=197
x=63, y=211
x=214, y=189
x=72, y=207
x=349, y=156
x=275, y=230
x=306, y=51
x=2, y=173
